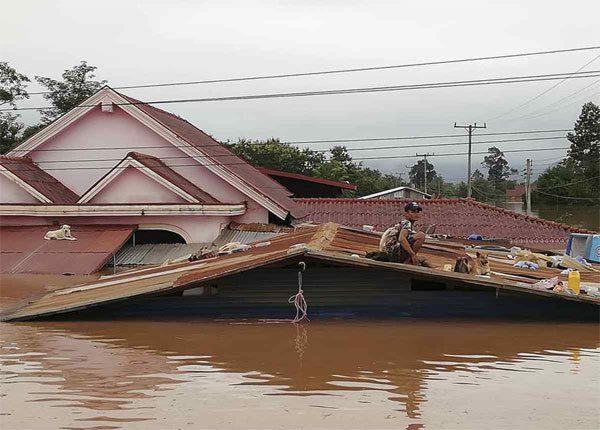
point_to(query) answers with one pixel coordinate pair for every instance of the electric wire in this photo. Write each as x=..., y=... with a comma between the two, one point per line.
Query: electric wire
x=448, y=84
x=349, y=70
x=567, y=197
x=299, y=142
x=543, y=92
x=246, y=163
x=376, y=148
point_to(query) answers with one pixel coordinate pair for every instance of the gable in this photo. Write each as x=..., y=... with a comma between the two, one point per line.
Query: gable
x=92, y=139
x=131, y=185
x=11, y=192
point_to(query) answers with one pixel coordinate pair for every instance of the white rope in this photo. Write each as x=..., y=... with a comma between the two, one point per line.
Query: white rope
x=298, y=299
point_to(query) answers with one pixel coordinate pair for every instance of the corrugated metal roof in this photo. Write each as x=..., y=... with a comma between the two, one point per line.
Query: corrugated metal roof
x=227, y=236
x=24, y=249
x=154, y=253
x=329, y=243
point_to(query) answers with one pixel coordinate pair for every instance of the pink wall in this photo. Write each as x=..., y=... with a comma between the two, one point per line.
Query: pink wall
x=134, y=186
x=110, y=136
x=11, y=192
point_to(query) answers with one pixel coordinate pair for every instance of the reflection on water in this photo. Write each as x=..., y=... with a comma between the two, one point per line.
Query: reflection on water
x=328, y=374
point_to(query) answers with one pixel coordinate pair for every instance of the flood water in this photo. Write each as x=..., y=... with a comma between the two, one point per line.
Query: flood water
x=328, y=374
x=584, y=216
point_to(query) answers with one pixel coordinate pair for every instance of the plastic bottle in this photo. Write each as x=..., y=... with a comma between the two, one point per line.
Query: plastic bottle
x=574, y=281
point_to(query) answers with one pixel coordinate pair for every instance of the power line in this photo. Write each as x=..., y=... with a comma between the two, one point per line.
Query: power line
x=545, y=91
x=245, y=163
x=376, y=148
x=450, y=84
x=312, y=142
x=570, y=183
x=566, y=197
x=350, y=70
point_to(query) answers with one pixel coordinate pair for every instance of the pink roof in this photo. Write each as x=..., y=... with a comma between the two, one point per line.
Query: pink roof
x=24, y=249
x=456, y=217
x=26, y=170
x=223, y=156
x=161, y=169
x=337, y=184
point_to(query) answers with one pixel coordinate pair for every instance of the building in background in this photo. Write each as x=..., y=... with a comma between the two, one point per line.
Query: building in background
x=308, y=186
x=399, y=193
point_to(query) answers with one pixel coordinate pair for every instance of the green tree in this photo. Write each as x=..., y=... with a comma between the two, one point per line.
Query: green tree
x=498, y=168
x=272, y=154
x=417, y=173
x=13, y=88
x=585, y=146
x=76, y=86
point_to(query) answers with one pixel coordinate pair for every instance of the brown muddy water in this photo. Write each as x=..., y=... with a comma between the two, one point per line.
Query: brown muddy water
x=329, y=374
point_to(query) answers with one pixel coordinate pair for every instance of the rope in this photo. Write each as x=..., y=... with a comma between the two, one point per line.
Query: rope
x=298, y=299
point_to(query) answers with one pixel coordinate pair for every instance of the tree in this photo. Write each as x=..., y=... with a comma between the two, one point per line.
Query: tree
x=272, y=154
x=498, y=169
x=585, y=144
x=417, y=176
x=12, y=89
x=76, y=86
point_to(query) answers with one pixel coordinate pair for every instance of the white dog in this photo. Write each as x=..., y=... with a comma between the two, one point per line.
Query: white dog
x=63, y=234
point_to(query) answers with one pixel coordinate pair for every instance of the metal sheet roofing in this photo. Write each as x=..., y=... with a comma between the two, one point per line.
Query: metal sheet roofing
x=328, y=243
x=29, y=172
x=24, y=249
x=154, y=253
x=456, y=217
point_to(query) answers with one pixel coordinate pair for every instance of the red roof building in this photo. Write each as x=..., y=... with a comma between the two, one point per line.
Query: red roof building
x=308, y=186
x=456, y=217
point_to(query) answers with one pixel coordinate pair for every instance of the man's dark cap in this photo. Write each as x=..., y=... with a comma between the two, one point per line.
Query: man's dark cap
x=413, y=207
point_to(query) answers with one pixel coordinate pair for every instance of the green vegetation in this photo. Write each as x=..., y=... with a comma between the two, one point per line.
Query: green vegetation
x=76, y=86
x=576, y=179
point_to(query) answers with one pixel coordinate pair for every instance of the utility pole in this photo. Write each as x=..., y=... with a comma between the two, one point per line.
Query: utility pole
x=470, y=129
x=528, y=186
x=425, y=173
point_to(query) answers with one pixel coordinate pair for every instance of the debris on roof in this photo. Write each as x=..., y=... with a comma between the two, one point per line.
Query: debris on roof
x=329, y=244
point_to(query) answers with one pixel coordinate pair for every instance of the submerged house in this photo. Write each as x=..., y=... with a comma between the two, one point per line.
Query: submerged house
x=115, y=161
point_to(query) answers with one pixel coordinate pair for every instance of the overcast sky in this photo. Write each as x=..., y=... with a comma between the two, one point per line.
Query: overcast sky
x=157, y=41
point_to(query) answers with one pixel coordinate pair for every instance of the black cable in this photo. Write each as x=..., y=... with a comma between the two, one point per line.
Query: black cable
x=376, y=148
x=360, y=69
x=566, y=197
x=299, y=142
x=450, y=84
x=358, y=158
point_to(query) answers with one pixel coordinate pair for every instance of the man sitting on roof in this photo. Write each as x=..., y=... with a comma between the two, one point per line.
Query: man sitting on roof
x=401, y=242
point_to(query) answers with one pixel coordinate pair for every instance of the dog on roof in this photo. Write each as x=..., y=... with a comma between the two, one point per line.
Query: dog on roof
x=64, y=233
x=473, y=266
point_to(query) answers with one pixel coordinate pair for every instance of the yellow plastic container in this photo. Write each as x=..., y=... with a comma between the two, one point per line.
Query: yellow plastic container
x=574, y=281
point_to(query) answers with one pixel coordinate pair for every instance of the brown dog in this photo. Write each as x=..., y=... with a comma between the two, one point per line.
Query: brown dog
x=477, y=266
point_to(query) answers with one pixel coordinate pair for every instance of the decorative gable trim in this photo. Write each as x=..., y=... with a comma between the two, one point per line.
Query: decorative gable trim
x=119, y=168
x=35, y=193
x=106, y=96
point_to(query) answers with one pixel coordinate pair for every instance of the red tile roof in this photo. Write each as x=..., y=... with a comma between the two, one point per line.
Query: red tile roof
x=223, y=156
x=344, y=185
x=456, y=217
x=161, y=169
x=26, y=170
